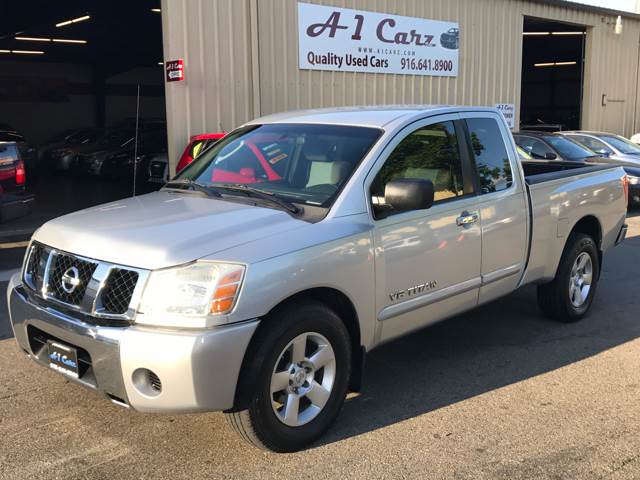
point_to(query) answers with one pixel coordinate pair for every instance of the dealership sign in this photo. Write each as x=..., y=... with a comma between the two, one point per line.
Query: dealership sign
x=175, y=70
x=340, y=39
x=508, y=111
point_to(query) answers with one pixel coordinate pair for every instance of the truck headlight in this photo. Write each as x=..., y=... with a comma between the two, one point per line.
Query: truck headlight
x=196, y=290
x=633, y=180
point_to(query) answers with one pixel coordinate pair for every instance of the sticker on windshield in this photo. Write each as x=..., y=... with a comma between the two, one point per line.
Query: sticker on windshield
x=275, y=160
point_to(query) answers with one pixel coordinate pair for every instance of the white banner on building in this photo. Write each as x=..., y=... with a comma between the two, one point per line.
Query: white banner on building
x=341, y=39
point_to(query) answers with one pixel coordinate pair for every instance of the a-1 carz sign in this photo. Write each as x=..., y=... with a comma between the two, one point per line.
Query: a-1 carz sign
x=342, y=39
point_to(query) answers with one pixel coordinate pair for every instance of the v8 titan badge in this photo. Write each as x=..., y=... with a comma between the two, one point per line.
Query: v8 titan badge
x=175, y=70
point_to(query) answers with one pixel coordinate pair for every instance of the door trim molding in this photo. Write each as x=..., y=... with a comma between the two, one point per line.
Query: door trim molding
x=391, y=311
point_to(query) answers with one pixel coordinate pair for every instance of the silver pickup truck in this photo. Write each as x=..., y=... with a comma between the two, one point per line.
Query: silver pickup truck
x=256, y=281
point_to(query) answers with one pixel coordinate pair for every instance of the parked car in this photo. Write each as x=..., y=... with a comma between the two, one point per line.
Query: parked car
x=608, y=145
x=28, y=154
x=450, y=39
x=57, y=153
x=157, y=166
x=615, y=150
x=89, y=158
x=262, y=297
x=197, y=143
x=15, y=201
x=119, y=163
x=553, y=146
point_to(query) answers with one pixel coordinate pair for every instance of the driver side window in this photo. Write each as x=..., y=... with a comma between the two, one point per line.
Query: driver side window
x=430, y=153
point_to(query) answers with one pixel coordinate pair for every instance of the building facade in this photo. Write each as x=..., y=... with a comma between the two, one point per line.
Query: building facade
x=241, y=61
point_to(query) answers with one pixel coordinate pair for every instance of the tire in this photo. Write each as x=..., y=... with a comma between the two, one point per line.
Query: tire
x=565, y=298
x=264, y=422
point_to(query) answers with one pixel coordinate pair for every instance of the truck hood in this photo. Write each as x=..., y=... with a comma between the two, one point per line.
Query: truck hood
x=162, y=229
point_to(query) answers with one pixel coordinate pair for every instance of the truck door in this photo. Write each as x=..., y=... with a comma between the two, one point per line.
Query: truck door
x=427, y=261
x=502, y=204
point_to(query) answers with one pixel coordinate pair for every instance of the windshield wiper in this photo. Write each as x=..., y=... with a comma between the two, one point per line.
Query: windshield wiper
x=257, y=193
x=195, y=186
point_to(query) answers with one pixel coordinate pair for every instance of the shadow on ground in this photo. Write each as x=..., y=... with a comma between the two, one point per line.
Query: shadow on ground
x=499, y=344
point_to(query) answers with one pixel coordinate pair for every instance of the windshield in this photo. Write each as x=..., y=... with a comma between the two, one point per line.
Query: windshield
x=568, y=148
x=523, y=154
x=116, y=137
x=301, y=163
x=622, y=144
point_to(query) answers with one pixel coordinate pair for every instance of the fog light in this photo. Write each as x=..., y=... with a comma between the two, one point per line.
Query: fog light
x=147, y=382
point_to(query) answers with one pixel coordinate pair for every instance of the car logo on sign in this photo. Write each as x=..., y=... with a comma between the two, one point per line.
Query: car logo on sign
x=70, y=279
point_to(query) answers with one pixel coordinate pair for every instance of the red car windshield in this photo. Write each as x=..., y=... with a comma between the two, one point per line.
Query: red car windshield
x=298, y=162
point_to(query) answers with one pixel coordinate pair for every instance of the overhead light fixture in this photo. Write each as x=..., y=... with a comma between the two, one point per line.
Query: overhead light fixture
x=28, y=52
x=33, y=39
x=68, y=40
x=57, y=40
x=534, y=34
x=73, y=20
x=160, y=63
x=5, y=51
x=156, y=10
x=568, y=33
x=554, y=64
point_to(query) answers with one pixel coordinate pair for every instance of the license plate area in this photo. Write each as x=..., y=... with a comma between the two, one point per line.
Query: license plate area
x=63, y=358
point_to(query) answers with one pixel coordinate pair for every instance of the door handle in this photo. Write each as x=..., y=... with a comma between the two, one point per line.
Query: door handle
x=467, y=218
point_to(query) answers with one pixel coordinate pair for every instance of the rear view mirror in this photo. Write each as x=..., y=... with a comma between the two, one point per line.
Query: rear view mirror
x=550, y=156
x=406, y=194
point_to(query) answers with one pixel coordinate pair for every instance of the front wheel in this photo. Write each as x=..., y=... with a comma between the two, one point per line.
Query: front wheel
x=569, y=296
x=302, y=365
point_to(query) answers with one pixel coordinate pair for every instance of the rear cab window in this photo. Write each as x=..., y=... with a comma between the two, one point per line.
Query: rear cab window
x=490, y=154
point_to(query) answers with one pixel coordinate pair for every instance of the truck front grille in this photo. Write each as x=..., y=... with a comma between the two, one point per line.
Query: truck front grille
x=64, y=268
x=97, y=289
x=118, y=291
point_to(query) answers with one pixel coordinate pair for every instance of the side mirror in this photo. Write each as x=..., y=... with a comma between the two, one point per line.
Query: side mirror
x=603, y=152
x=406, y=194
x=550, y=156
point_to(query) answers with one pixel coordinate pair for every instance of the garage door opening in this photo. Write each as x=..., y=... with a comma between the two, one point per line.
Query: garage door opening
x=552, y=75
x=69, y=78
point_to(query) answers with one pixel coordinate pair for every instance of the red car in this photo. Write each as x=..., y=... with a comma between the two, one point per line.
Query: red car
x=196, y=144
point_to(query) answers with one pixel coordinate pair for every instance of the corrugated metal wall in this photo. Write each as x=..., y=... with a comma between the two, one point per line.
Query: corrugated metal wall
x=241, y=61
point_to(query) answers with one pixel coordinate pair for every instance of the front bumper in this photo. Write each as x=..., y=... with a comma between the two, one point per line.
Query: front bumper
x=198, y=370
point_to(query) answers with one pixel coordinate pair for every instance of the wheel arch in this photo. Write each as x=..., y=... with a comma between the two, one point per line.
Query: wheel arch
x=332, y=298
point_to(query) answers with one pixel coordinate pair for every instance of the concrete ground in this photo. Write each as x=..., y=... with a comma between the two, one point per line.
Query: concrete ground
x=498, y=393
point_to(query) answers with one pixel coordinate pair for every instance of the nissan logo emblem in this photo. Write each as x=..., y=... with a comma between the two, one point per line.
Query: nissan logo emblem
x=70, y=279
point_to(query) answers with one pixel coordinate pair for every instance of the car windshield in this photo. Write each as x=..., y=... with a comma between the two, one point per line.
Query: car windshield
x=524, y=155
x=568, y=148
x=301, y=163
x=622, y=144
x=11, y=137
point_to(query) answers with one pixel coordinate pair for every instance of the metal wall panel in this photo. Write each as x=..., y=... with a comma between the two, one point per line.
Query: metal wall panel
x=241, y=61
x=213, y=37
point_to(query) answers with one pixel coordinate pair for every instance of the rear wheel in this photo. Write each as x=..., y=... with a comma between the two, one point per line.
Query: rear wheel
x=569, y=296
x=301, y=369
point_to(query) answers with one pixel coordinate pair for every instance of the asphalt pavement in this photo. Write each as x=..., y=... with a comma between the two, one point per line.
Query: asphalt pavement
x=497, y=393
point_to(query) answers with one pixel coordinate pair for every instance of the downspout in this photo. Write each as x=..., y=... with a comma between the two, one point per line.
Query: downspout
x=635, y=105
x=255, y=59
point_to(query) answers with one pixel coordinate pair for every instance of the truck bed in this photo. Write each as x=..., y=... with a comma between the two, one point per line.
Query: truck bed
x=540, y=171
x=561, y=194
